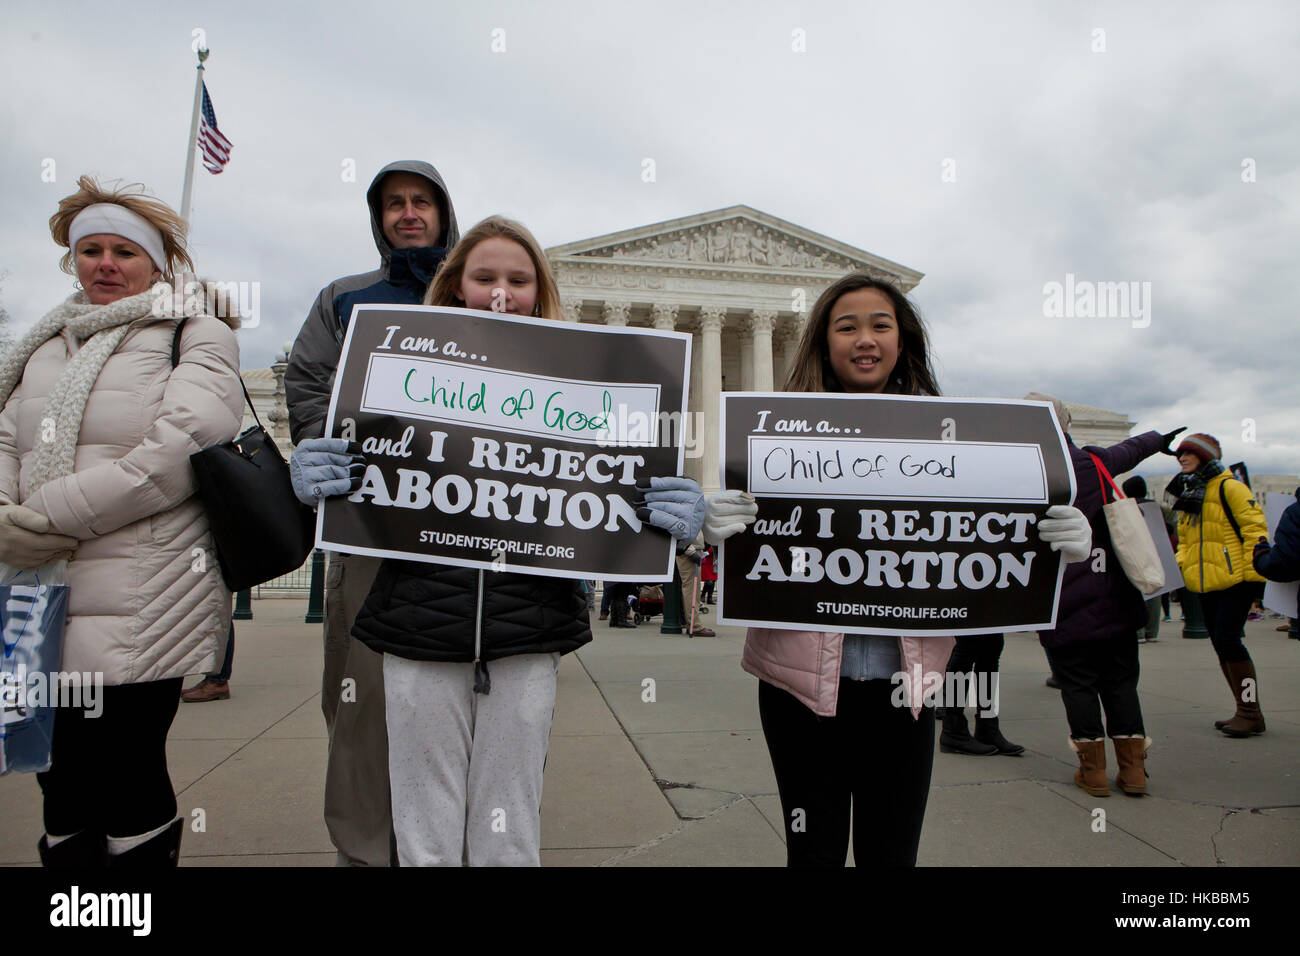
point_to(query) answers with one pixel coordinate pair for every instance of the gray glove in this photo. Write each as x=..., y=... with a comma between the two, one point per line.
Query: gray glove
x=26, y=541
x=729, y=513
x=675, y=505
x=326, y=467
x=1067, y=530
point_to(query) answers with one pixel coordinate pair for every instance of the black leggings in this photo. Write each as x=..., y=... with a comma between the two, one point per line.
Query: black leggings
x=109, y=772
x=1225, y=618
x=871, y=757
x=1096, y=675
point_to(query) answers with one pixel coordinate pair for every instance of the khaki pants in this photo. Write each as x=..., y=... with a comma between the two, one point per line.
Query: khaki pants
x=357, y=810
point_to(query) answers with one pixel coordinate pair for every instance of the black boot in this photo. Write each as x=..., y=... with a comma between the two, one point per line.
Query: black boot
x=618, y=615
x=956, y=738
x=156, y=853
x=84, y=850
x=987, y=732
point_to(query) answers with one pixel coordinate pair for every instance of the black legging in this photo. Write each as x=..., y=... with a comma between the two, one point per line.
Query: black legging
x=871, y=757
x=1225, y=618
x=1096, y=675
x=110, y=772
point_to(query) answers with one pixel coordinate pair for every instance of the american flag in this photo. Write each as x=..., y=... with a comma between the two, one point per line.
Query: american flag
x=215, y=147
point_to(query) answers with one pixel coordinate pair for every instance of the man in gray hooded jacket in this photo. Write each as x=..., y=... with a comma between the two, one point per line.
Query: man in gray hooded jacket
x=414, y=226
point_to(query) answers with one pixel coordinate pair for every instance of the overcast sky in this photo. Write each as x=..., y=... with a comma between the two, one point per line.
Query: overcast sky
x=996, y=147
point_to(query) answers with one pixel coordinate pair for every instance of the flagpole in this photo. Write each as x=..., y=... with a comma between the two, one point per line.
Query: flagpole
x=194, y=136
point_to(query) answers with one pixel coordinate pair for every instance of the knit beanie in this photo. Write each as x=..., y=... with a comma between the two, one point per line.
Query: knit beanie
x=1203, y=446
x=1135, y=487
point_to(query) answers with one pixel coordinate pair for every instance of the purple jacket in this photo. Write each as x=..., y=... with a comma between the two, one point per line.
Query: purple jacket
x=1096, y=605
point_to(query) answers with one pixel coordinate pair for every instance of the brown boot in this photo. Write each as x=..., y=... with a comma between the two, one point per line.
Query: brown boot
x=1130, y=754
x=1091, y=775
x=1249, y=720
x=207, y=689
x=1220, y=724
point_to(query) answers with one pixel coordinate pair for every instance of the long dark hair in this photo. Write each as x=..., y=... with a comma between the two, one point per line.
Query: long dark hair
x=811, y=369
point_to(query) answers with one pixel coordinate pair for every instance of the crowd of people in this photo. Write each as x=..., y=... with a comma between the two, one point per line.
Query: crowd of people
x=436, y=753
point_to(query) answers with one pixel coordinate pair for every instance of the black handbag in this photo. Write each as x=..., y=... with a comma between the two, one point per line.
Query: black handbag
x=260, y=527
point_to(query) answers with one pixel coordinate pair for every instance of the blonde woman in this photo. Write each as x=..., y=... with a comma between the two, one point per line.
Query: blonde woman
x=95, y=437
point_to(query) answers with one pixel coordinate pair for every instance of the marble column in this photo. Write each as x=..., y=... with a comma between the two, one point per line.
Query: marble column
x=746, y=361
x=761, y=322
x=711, y=322
x=791, y=338
x=663, y=316
x=616, y=311
x=572, y=308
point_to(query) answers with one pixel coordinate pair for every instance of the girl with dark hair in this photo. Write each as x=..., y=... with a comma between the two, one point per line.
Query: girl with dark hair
x=838, y=744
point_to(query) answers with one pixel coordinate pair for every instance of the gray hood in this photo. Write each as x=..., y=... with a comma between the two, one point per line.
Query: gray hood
x=447, y=213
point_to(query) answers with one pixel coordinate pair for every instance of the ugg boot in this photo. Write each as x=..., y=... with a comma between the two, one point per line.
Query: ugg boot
x=1249, y=719
x=1091, y=775
x=158, y=852
x=83, y=850
x=988, y=732
x=1131, y=755
x=956, y=738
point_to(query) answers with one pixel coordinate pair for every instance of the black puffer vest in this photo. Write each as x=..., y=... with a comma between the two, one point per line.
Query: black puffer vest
x=432, y=612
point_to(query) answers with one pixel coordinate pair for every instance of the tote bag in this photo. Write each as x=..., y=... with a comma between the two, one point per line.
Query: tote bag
x=1129, y=536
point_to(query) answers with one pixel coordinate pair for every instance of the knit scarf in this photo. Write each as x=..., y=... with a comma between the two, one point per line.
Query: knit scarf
x=1191, y=496
x=104, y=326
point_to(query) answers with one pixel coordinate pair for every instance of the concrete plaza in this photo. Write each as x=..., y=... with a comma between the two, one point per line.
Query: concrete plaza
x=685, y=780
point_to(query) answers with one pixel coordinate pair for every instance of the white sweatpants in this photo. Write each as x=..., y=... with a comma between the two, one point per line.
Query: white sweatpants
x=465, y=768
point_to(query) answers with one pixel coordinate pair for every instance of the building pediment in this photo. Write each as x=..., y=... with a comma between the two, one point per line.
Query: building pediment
x=734, y=239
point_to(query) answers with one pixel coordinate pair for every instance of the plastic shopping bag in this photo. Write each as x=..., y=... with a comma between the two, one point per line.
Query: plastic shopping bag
x=33, y=613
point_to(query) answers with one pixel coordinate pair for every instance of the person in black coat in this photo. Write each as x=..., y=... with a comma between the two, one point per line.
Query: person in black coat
x=1093, y=649
x=1281, y=562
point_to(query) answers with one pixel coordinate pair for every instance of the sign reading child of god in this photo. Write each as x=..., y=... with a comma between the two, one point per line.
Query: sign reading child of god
x=506, y=443
x=881, y=514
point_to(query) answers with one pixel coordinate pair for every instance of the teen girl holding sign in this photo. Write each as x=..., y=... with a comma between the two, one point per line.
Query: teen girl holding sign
x=838, y=744
x=471, y=656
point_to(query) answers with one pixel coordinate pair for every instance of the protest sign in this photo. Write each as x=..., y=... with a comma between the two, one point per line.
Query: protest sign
x=1279, y=596
x=506, y=443
x=883, y=514
x=1155, y=520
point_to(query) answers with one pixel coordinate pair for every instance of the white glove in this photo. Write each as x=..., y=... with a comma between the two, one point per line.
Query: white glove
x=728, y=513
x=1068, y=531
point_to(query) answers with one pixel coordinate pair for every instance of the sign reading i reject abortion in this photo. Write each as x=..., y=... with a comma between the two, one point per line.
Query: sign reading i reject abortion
x=506, y=443
x=883, y=514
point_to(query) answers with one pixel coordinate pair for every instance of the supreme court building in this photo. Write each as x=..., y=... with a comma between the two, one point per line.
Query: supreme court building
x=739, y=281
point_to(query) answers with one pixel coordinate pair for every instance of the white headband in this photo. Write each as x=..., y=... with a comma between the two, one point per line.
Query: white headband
x=108, y=217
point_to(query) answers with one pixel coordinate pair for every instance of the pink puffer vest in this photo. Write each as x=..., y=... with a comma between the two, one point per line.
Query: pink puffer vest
x=807, y=664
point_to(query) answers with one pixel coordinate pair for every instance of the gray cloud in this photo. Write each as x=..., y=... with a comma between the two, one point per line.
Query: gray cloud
x=1123, y=165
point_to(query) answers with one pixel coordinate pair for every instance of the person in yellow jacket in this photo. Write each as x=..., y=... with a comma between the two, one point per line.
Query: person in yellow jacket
x=1217, y=515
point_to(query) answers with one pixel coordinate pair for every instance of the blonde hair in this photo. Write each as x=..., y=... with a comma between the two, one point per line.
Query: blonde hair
x=445, y=288
x=132, y=196
x=810, y=370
